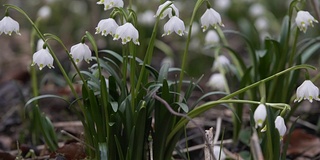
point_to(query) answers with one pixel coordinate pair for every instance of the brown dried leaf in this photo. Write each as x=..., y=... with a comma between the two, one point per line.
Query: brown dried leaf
x=71, y=151
x=303, y=144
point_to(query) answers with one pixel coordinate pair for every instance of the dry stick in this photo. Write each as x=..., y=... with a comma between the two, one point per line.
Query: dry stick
x=77, y=139
x=165, y=103
x=255, y=146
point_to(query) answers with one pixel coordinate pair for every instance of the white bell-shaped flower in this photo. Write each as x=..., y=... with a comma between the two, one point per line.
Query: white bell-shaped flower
x=212, y=37
x=217, y=154
x=175, y=24
x=42, y=58
x=168, y=11
x=216, y=81
x=80, y=52
x=260, y=115
x=127, y=32
x=304, y=19
x=107, y=26
x=8, y=25
x=220, y=61
x=307, y=90
x=281, y=126
x=210, y=18
x=109, y=4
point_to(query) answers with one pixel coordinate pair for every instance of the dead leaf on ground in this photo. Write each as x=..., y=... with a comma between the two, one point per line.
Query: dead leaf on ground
x=303, y=144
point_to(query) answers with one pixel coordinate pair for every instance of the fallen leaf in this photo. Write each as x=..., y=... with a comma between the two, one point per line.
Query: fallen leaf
x=303, y=144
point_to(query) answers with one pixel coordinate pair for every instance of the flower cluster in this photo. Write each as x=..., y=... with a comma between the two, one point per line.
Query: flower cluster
x=260, y=115
x=125, y=32
x=175, y=24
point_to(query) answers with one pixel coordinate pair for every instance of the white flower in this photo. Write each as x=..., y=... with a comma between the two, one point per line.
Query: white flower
x=307, y=90
x=168, y=11
x=212, y=37
x=304, y=19
x=222, y=4
x=42, y=58
x=216, y=153
x=210, y=17
x=167, y=60
x=281, y=126
x=108, y=4
x=44, y=12
x=107, y=26
x=257, y=10
x=40, y=44
x=217, y=81
x=79, y=52
x=260, y=115
x=8, y=25
x=174, y=24
x=221, y=61
x=261, y=24
x=146, y=17
x=127, y=32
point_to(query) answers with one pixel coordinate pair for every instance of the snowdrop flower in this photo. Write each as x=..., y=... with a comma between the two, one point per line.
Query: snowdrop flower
x=107, y=26
x=79, y=52
x=220, y=61
x=127, y=32
x=42, y=58
x=307, y=90
x=8, y=25
x=256, y=10
x=40, y=44
x=44, y=12
x=261, y=24
x=167, y=60
x=146, y=17
x=174, y=24
x=108, y=4
x=281, y=126
x=167, y=11
x=210, y=17
x=260, y=115
x=217, y=81
x=222, y=4
x=212, y=37
x=304, y=19
x=216, y=153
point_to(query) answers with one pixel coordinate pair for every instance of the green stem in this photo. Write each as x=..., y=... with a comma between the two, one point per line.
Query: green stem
x=185, y=53
x=197, y=111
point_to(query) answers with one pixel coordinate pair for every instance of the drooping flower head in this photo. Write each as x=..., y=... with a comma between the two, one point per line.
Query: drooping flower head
x=260, y=115
x=220, y=61
x=107, y=26
x=218, y=152
x=281, y=126
x=80, y=52
x=168, y=11
x=212, y=37
x=8, y=25
x=307, y=90
x=175, y=24
x=42, y=58
x=109, y=4
x=304, y=19
x=210, y=18
x=127, y=32
x=216, y=81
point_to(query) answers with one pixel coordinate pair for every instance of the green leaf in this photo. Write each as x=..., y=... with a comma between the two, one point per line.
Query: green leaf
x=183, y=106
x=44, y=96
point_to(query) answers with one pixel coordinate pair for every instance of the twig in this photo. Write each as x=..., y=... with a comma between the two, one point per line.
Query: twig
x=76, y=138
x=255, y=146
